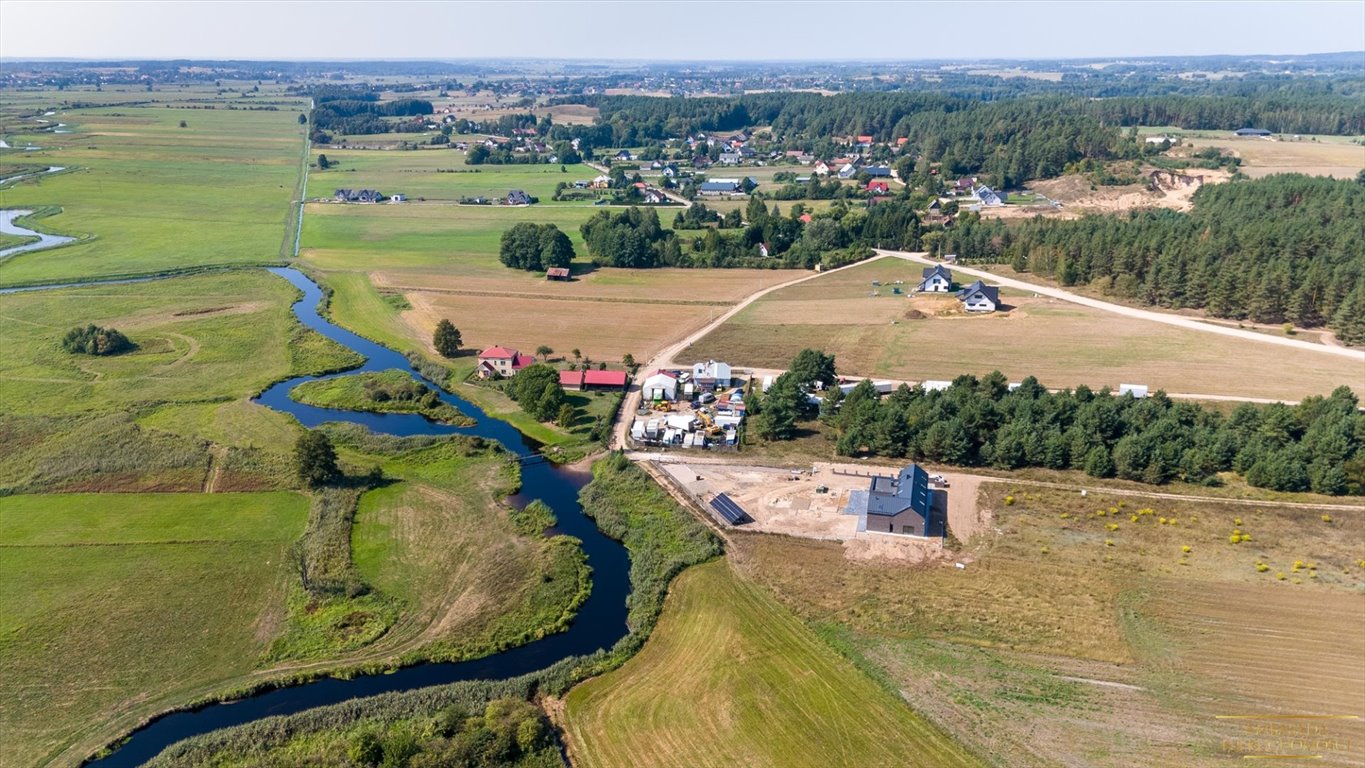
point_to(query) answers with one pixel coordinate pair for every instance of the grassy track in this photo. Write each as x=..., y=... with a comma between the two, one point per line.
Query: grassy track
x=729, y=677
x=114, y=599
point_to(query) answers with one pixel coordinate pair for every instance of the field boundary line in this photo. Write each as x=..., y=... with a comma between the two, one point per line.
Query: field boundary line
x=551, y=297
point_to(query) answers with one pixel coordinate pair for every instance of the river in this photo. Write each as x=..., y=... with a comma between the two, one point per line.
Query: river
x=600, y=622
x=8, y=226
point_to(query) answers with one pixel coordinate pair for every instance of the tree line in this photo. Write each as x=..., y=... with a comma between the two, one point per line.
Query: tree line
x=1317, y=445
x=1284, y=248
x=352, y=111
x=1011, y=140
x=635, y=238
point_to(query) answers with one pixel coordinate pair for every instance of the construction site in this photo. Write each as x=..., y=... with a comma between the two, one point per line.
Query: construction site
x=816, y=503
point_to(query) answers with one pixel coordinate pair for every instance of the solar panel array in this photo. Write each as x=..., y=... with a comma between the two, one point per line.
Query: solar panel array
x=729, y=510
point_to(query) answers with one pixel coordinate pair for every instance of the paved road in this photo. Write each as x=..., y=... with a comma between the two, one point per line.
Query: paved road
x=1142, y=314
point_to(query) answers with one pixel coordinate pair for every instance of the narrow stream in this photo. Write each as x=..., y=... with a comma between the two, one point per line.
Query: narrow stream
x=600, y=622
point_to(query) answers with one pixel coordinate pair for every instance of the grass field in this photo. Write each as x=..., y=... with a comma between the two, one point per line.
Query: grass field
x=116, y=602
x=731, y=678
x=373, y=392
x=427, y=174
x=1061, y=344
x=1338, y=156
x=1080, y=638
x=146, y=420
x=443, y=544
x=147, y=195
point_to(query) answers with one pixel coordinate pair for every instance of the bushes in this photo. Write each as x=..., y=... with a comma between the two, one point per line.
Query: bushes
x=94, y=340
x=536, y=389
x=662, y=538
x=535, y=247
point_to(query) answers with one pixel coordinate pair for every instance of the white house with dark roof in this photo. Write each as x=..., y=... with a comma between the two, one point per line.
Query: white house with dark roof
x=979, y=297
x=937, y=279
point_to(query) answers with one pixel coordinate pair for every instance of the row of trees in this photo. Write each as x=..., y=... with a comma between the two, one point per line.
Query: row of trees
x=535, y=247
x=562, y=153
x=1318, y=445
x=1284, y=248
x=358, y=112
x=634, y=238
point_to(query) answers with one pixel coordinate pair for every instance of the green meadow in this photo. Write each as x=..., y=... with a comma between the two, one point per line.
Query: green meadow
x=461, y=238
x=181, y=585
x=437, y=174
x=146, y=195
x=118, y=605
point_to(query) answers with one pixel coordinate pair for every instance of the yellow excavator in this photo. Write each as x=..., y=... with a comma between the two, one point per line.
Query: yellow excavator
x=712, y=429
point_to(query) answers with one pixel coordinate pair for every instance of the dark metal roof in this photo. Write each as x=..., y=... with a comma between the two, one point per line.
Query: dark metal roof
x=909, y=489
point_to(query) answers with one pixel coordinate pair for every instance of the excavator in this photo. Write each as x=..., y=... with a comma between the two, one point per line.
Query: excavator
x=712, y=429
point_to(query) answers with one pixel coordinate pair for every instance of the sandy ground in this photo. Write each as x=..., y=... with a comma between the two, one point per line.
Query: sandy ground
x=1077, y=197
x=788, y=502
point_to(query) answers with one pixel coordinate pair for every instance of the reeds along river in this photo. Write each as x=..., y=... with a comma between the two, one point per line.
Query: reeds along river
x=600, y=622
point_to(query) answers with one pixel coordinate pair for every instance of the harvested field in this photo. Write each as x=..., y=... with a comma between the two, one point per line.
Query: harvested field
x=1055, y=647
x=1327, y=156
x=1060, y=343
x=1232, y=638
x=601, y=330
x=731, y=678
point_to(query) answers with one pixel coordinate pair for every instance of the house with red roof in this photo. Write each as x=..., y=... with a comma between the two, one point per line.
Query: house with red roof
x=501, y=362
x=878, y=187
x=588, y=379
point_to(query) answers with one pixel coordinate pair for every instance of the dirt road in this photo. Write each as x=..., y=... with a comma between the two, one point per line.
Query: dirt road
x=666, y=356
x=1141, y=314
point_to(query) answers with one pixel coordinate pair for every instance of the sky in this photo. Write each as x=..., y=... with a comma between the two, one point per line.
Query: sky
x=662, y=30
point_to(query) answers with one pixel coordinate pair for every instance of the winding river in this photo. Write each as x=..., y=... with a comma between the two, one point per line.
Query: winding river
x=600, y=622
x=8, y=226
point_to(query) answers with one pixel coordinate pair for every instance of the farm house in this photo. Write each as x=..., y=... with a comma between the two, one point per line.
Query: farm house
x=979, y=297
x=904, y=504
x=937, y=279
